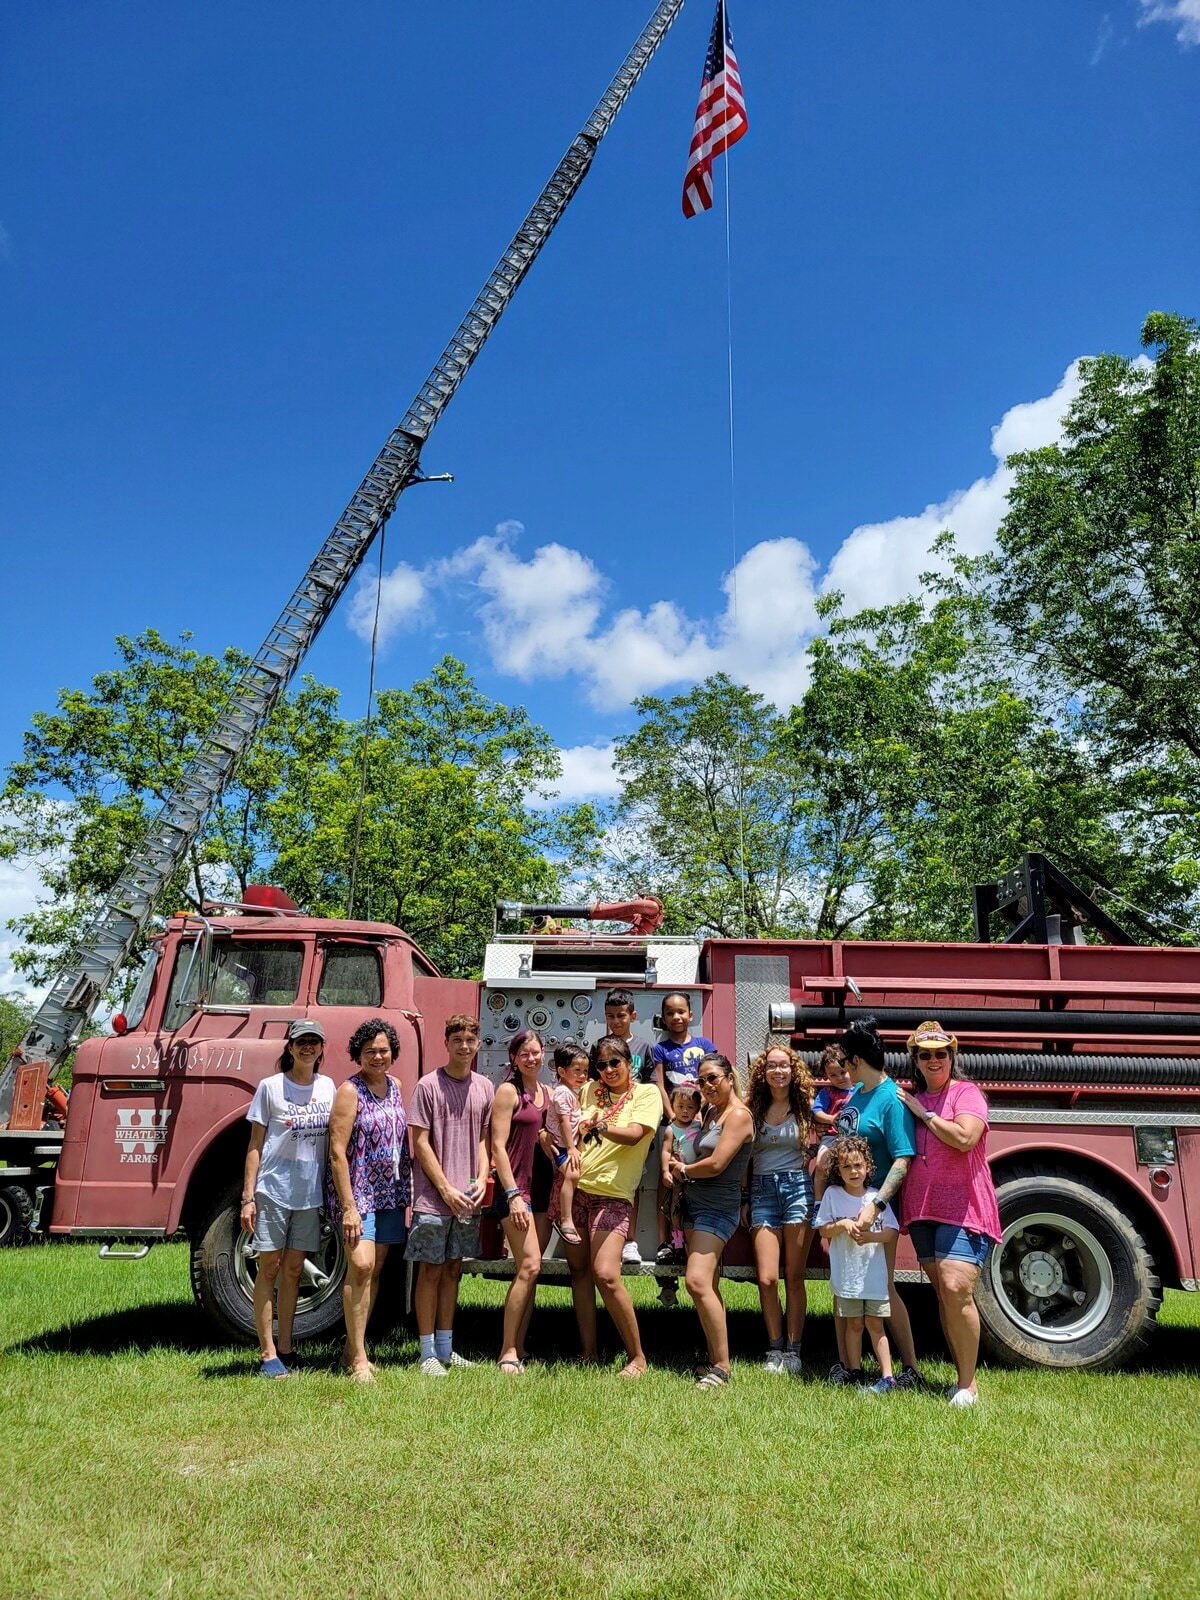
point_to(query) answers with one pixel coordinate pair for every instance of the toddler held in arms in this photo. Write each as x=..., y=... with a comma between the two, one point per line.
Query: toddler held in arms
x=678, y=1141
x=857, y=1265
x=559, y=1135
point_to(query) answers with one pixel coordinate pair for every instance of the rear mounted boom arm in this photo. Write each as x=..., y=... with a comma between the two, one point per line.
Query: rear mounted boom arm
x=109, y=940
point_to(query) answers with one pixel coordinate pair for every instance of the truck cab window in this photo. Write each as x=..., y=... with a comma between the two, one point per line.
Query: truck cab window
x=243, y=972
x=351, y=976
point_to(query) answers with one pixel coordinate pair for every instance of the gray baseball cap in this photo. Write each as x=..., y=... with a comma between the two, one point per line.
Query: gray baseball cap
x=303, y=1027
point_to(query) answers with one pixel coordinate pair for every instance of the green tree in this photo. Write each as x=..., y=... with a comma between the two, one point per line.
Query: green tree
x=1097, y=577
x=100, y=765
x=716, y=820
x=447, y=826
x=916, y=714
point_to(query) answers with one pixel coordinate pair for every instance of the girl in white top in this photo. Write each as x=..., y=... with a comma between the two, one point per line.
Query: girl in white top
x=281, y=1185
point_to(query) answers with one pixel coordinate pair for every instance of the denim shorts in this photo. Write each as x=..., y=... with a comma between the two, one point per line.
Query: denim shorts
x=946, y=1241
x=722, y=1224
x=780, y=1199
x=384, y=1227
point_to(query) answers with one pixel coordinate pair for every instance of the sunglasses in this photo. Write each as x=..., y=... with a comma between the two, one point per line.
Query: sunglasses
x=711, y=1077
x=612, y=1061
x=933, y=1055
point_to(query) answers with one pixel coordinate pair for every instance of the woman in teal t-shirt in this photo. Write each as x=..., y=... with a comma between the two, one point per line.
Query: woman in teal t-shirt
x=877, y=1114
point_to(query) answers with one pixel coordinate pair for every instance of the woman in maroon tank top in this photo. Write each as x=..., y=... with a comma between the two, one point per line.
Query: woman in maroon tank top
x=518, y=1116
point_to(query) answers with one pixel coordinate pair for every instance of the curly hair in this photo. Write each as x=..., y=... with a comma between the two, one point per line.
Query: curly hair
x=800, y=1089
x=366, y=1031
x=849, y=1144
x=831, y=1053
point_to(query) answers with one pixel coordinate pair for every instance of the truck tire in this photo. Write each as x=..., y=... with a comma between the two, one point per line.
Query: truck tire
x=223, y=1274
x=1071, y=1283
x=16, y=1212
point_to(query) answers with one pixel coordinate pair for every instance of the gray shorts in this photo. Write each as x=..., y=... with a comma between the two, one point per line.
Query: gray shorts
x=863, y=1308
x=436, y=1239
x=277, y=1228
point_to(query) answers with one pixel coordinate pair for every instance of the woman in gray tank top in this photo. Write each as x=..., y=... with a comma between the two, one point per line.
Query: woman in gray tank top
x=781, y=1196
x=712, y=1204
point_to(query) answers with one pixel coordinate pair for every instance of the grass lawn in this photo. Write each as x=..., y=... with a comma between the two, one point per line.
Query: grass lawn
x=146, y=1459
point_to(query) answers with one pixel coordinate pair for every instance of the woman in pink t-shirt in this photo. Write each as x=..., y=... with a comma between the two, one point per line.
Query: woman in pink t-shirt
x=949, y=1200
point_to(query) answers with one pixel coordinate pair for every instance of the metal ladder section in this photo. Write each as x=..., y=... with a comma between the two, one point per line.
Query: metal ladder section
x=111, y=936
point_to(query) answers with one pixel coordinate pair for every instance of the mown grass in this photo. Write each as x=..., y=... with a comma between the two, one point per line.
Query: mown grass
x=144, y=1458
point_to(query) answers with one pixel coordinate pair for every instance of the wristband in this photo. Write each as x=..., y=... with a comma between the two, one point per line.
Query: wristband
x=510, y=1194
x=248, y=1200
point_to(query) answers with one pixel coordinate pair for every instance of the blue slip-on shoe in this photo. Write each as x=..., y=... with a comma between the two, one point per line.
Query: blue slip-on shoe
x=273, y=1369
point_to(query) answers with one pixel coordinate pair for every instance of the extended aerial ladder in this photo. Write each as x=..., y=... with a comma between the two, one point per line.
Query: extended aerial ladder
x=111, y=937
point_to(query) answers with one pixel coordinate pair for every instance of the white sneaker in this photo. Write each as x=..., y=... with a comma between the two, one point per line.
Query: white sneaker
x=964, y=1397
x=631, y=1256
x=792, y=1363
x=775, y=1361
x=455, y=1360
x=431, y=1367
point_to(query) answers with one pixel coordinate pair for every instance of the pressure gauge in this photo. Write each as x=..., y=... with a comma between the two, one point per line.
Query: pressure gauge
x=581, y=1004
x=497, y=1001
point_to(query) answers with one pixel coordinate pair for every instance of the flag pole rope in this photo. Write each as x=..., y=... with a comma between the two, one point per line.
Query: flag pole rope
x=733, y=528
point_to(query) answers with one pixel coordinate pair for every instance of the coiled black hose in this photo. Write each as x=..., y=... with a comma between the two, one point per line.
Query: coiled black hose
x=1035, y=1067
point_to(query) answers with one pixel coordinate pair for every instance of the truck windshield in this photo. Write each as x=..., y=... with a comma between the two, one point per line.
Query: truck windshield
x=243, y=972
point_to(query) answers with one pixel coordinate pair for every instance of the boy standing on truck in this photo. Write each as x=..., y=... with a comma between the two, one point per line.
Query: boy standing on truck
x=620, y=1014
x=677, y=1057
x=448, y=1118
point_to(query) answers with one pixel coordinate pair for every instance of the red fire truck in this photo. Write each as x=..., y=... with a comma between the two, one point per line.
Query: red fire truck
x=1088, y=1053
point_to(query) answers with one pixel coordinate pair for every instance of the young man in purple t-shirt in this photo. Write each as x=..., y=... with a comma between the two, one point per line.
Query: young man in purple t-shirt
x=448, y=1120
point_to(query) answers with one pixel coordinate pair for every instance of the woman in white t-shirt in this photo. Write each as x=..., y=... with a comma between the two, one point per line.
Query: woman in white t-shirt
x=281, y=1188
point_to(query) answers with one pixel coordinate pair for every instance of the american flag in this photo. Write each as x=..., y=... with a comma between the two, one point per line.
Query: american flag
x=720, y=116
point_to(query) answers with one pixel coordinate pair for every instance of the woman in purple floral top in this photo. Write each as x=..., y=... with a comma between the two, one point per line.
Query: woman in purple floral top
x=371, y=1178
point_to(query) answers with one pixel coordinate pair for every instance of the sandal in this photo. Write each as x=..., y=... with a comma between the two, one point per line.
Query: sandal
x=713, y=1378
x=568, y=1233
x=511, y=1366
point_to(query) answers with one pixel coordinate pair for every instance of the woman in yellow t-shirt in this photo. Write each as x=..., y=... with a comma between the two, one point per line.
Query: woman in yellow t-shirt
x=618, y=1123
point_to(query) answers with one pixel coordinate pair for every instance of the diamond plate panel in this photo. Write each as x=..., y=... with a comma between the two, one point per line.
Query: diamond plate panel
x=757, y=981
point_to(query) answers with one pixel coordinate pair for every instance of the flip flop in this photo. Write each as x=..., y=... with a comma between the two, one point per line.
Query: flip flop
x=273, y=1369
x=511, y=1366
x=574, y=1237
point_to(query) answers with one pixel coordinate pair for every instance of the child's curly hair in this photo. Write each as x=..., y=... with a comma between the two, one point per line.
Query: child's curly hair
x=800, y=1090
x=849, y=1144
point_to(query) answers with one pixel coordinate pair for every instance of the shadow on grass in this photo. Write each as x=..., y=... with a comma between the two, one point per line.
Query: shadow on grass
x=172, y=1324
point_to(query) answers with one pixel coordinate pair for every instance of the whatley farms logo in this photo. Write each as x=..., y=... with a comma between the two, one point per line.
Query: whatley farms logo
x=141, y=1134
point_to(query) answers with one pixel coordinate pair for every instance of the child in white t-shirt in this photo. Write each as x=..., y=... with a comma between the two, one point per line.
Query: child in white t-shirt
x=858, y=1270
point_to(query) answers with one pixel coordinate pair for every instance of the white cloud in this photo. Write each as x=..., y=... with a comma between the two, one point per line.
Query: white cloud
x=758, y=635
x=20, y=885
x=587, y=774
x=1183, y=15
x=882, y=560
x=401, y=596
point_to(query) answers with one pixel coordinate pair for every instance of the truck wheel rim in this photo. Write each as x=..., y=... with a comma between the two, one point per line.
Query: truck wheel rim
x=1052, y=1277
x=324, y=1269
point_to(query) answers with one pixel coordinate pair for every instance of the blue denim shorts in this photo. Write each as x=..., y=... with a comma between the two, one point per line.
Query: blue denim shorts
x=780, y=1199
x=946, y=1241
x=722, y=1224
x=385, y=1227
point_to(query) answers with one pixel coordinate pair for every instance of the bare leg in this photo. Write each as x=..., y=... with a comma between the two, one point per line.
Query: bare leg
x=427, y=1295
x=358, y=1298
x=879, y=1343
x=447, y=1295
x=766, y=1269
x=796, y=1238
x=901, y=1327
x=518, y=1302
x=854, y=1333
x=541, y=1224
x=289, y=1292
x=264, y=1301
x=606, y=1270
x=955, y=1283
x=702, y=1277
x=583, y=1296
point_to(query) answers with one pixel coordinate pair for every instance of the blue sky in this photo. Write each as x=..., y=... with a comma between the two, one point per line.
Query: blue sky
x=234, y=239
